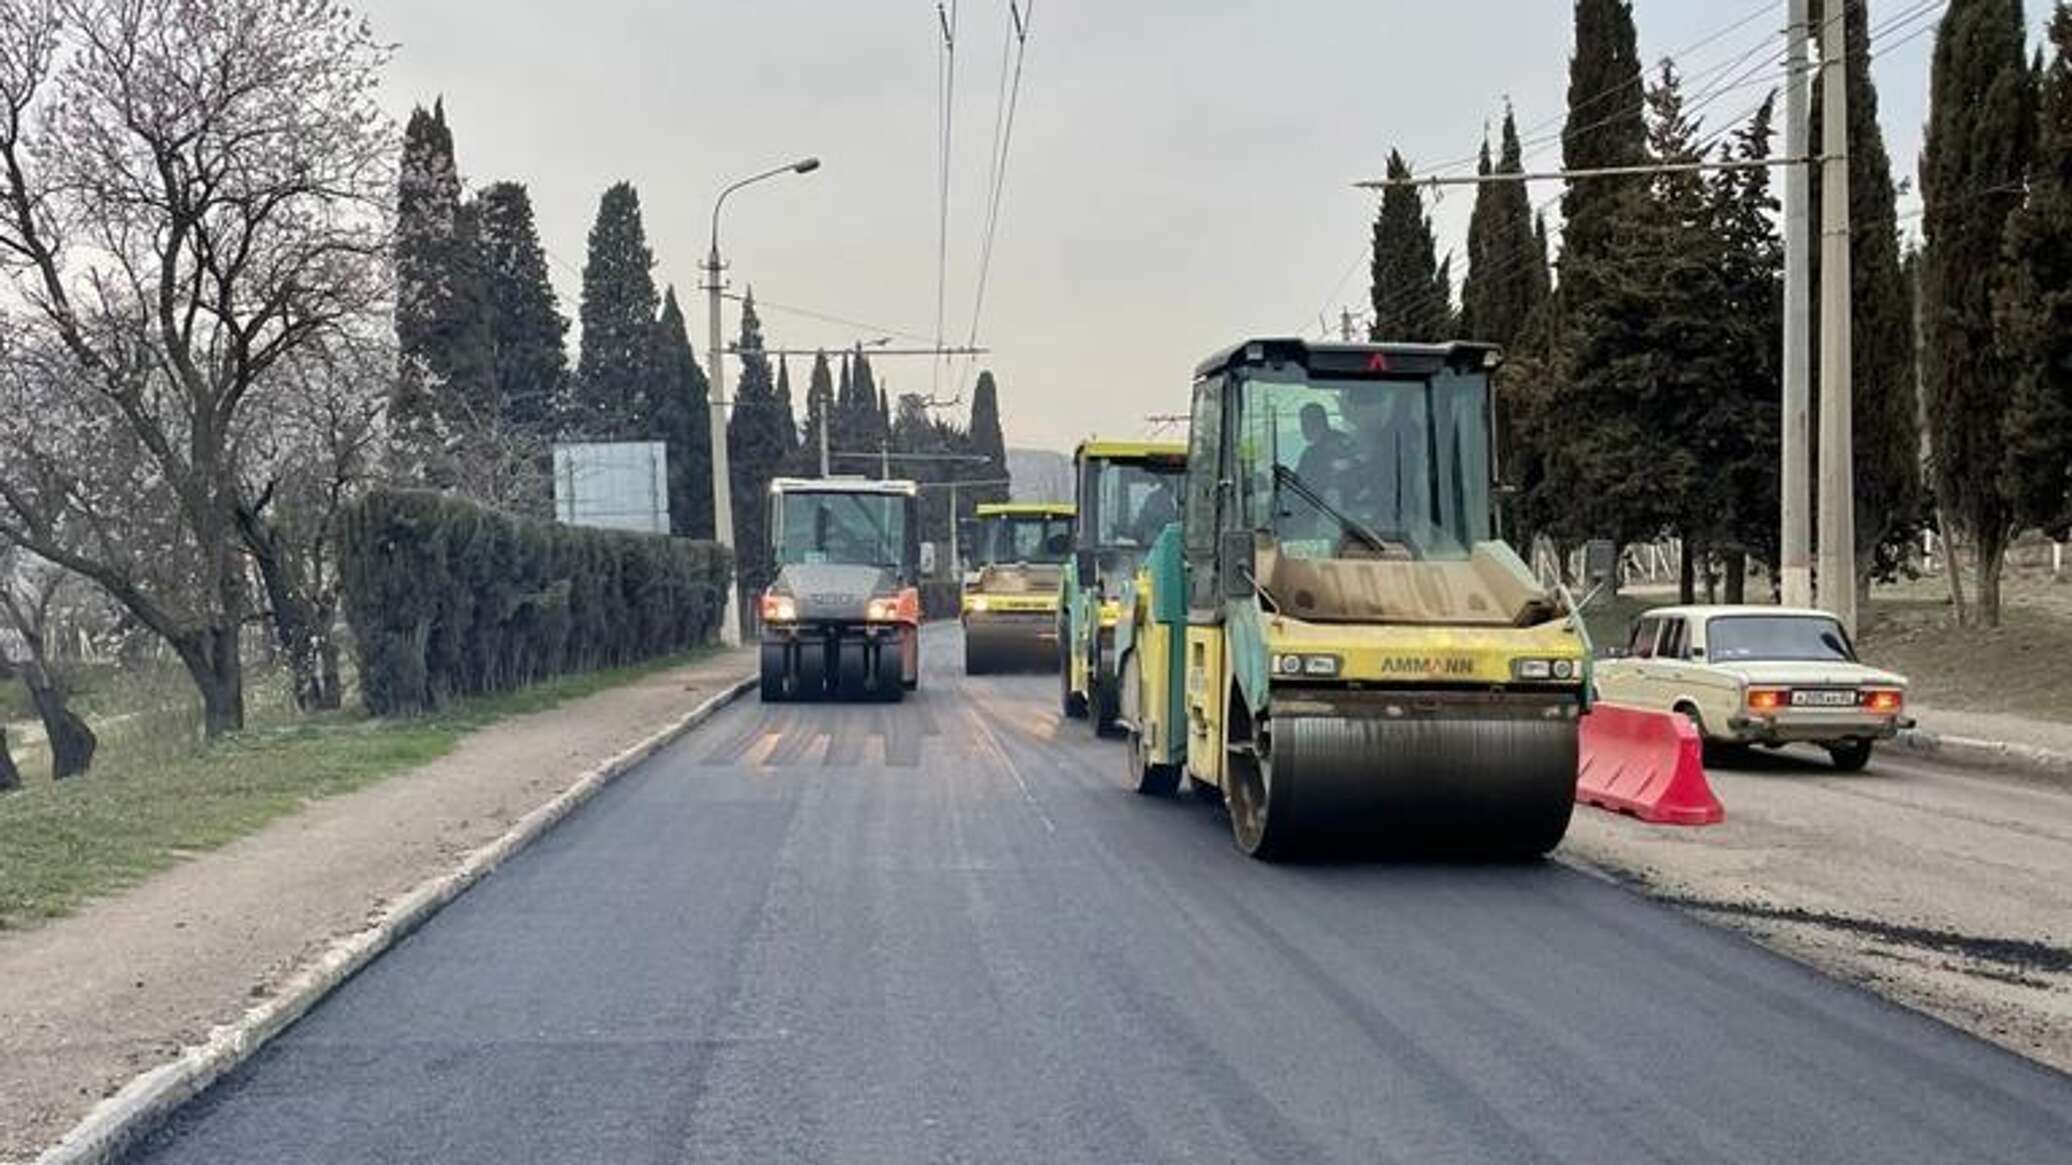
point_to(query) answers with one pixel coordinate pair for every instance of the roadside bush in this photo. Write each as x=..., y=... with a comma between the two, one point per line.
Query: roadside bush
x=448, y=598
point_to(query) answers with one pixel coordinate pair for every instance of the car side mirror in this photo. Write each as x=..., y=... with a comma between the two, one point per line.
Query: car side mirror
x=1083, y=566
x=1600, y=562
x=928, y=560
x=1236, y=559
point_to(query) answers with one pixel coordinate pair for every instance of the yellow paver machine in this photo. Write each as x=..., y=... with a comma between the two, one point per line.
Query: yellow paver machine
x=1010, y=603
x=1333, y=638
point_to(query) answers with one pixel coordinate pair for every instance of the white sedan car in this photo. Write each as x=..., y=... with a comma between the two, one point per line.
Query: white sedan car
x=1757, y=675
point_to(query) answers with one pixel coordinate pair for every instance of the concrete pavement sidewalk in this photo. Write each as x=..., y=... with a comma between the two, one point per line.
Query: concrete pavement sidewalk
x=1990, y=738
x=123, y=985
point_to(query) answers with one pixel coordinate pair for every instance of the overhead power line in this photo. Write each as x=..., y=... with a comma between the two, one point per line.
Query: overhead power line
x=1003, y=141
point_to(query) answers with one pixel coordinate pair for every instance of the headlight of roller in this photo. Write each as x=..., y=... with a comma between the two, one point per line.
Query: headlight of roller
x=1309, y=665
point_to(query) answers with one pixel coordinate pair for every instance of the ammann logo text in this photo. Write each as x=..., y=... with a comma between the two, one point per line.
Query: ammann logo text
x=1427, y=665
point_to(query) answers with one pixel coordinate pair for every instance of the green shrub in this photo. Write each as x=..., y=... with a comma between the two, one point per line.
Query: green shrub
x=447, y=598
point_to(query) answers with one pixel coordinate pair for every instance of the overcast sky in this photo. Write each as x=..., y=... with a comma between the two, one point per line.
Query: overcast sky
x=1179, y=170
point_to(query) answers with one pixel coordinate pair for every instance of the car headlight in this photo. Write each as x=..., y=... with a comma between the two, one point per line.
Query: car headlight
x=1313, y=665
x=882, y=610
x=975, y=603
x=779, y=608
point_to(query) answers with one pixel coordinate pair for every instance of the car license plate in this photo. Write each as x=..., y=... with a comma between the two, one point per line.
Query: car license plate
x=1823, y=699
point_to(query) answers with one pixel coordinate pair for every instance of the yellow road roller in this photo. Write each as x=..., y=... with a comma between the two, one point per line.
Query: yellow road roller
x=1010, y=602
x=1333, y=639
x=1128, y=492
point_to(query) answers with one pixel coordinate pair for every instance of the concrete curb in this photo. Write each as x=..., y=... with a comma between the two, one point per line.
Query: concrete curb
x=1973, y=750
x=119, y=1122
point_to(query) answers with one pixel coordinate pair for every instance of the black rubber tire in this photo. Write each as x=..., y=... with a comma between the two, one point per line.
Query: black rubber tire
x=773, y=669
x=852, y=669
x=809, y=681
x=887, y=685
x=1103, y=706
x=1851, y=755
x=1071, y=703
x=1150, y=780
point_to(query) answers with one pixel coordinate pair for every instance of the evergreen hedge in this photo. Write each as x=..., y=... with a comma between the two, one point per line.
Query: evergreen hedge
x=449, y=598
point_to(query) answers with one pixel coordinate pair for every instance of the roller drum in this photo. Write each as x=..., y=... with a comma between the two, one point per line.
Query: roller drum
x=1468, y=786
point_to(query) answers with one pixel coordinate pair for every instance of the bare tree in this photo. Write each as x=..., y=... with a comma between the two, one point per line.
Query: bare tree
x=29, y=593
x=314, y=445
x=190, y=193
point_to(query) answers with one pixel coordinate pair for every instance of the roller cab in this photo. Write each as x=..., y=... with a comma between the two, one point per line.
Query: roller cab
x=843, y=618
x=1335, y=641
x=1010, y=601
x=1128, y=493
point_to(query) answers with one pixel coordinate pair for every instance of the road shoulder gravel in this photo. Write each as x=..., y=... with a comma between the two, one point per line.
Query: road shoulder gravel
x=128, y=984
x=1945, y=888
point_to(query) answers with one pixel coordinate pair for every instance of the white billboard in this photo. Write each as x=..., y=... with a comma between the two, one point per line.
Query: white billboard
x=621, y=485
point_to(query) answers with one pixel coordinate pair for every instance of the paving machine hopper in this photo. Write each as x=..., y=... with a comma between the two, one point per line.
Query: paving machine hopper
x=1010, y=603
x=1334, y=639
x=843, y=618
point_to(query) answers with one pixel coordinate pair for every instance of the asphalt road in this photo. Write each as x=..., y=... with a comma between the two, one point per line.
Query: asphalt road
x=945, y=932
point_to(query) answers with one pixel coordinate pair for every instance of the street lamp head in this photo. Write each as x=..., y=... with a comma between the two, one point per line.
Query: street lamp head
x=805, y=165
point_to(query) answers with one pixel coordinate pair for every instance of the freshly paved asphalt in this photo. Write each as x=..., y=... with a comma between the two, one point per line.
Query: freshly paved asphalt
x=944, y=931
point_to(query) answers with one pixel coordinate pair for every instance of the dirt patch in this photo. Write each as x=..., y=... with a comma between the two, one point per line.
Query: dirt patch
x=124, y=984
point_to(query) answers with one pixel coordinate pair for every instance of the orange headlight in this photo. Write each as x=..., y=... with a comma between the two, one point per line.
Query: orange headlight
x=779, y=608
x=1883, y=700
x=1768, y=699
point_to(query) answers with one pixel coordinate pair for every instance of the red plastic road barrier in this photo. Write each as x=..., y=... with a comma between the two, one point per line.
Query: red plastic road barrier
x=1645, y=763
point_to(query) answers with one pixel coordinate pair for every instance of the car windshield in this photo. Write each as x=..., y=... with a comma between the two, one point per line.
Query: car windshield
x=851, y=529
x=1391, y=468
x=1135, y=500
x=1034, y=538
x=1778, y=637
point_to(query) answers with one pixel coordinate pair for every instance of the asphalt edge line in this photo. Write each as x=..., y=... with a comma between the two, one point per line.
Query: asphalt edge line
x=119, y=1122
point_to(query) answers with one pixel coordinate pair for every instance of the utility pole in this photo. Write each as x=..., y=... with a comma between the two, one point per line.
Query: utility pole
x=722, y=492
x=1796, y=519
x=1345, y=325
x=715, y=352
x=1837, y=374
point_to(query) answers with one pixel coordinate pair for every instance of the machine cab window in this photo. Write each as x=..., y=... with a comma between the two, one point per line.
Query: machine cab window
x=1392, y=467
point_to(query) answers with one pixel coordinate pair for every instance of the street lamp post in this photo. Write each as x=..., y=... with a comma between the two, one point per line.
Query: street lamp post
x=715, y=353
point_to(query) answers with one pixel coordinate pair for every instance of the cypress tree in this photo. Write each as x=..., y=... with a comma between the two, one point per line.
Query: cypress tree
x=1507, y=265
x=528, y=334
x=985, y=440
x=1885, y=421
x=820, y=406
x=2035, y=308
x=1739, y=439
x=441, y=328
x=1413, y=299
x=1476, y=289
x=618, y=313
x=1605, y=127
x=788, y=432
x=758, y=447
x=680, y=413
x=1643, y=358
x=1981, y=125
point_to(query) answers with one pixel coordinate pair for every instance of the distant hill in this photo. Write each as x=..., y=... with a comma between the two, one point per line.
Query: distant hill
x=1039, y=475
